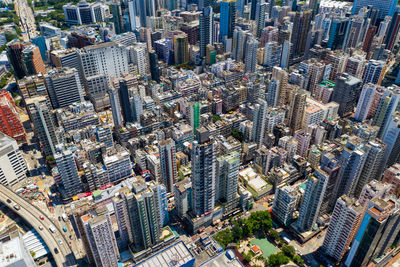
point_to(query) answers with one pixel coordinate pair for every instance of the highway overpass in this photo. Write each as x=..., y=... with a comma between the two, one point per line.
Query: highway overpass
x=56, y=242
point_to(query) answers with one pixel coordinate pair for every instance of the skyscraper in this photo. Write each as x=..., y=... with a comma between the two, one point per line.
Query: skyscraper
x=261, y=10
x=203, y=177
x=296, y=111
x=345, y=93
x=259, y=117
x=393, y=30
x=122, y=215
x=377, y=233
x=44, y=124
x=12, y=166
x=273, y=93
x=386, y=8
x=32, y=59
x=101, y=238
x=206, y=21
x=115, y=106
x=338, y=33
x=313, y=196
x=301, y=27
x=117, y=16
x=126, y=107
x=68, y=173
x=365, y=101
x=195, y=116
x=169, y=171
x=388, y=104
x=374, y=72
x=285, y=201
x=64, y=87
x=14, y=55
x=181, y=48
x=373, y=166
x=227, y=179
x=144, y=216
x=251, y=55
x=346, y=218
x=391, y=138
x=352, y=161
x=155, y=73
x=227, y=19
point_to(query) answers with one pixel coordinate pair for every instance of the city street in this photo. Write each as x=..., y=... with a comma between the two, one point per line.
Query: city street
x=27, y=19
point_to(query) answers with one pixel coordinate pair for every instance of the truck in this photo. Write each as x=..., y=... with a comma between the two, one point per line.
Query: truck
x=64, y=217
x=52, y=229
x=64, y=229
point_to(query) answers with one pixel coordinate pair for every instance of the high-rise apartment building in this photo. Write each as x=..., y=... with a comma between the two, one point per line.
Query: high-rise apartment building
x=343, y=226
x=374, y=72
x=346, y=92
x=181, y=48
x=227, y=19
x=206, y=21
x=373, y=165
x=68, y=171
x=12, y=166
x=169, y=171
x=64, y=87
x=32, y=59
x=352, y=161
x=285, y=202
x=227, y=179
x=387, y=106
x=122, y=215
x=44, y=125
x=101, y=239
x=386, y=8
x=312, y=200
x=250, y=57
x=259, y=117
x=203, y=177
x=108, y=59
x=377, y=232
x=296, y=111
x=144, y=216
x=364, y=103
x=261, y=10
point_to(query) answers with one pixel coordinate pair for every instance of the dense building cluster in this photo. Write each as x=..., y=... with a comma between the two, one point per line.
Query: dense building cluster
x=148, y=111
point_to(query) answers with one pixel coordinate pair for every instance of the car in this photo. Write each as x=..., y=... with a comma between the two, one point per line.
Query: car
x=59, y=218
x=60, y=242
x=70, y=237
x=41, y=217
x=40, y=227
x=319, y=236
x=16, y=207
x=8, y=200
x=56, y=250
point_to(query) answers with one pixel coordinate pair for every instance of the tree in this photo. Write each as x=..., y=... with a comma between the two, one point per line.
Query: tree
x=288, y=251
x=10, y=36
x=50, y=158
x=274, y=235
x=277, y=259
x=237, y=232
x=238, y=135
x=298, y=260
x=216, y=118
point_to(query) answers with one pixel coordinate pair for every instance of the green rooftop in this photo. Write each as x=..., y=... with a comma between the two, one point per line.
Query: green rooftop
x=327, y=83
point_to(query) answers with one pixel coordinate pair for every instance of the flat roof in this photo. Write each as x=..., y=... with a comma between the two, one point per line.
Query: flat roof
x=175, y=255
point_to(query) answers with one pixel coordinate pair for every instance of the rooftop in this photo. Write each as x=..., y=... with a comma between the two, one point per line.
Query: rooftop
x=175, y=255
